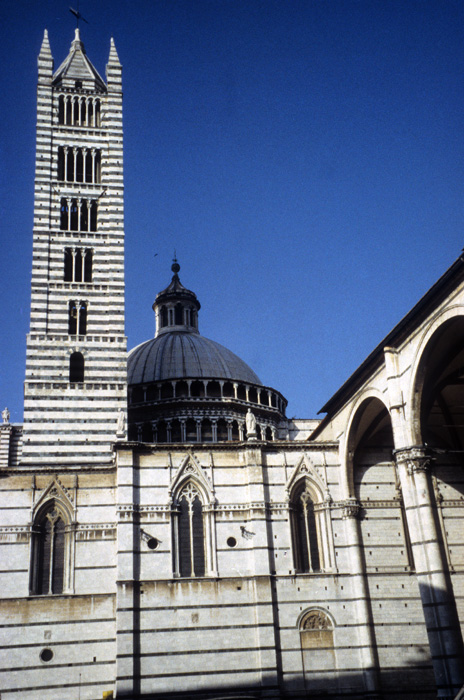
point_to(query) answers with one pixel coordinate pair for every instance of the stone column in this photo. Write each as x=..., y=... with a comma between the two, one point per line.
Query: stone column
x=440, y=613
x=360, y=592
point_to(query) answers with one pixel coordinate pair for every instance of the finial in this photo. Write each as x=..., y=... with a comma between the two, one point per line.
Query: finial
x=175, y=267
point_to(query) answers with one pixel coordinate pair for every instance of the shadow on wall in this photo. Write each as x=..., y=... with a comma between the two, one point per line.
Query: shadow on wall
x=413, y=681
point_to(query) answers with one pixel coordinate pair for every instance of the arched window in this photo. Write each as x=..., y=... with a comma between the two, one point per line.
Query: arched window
x=191, y=540
x=222, y=431
x=178, y=315
x=76, y=110
x=74, y=225
x=90, y=113
x=78, y=264
x=305, y=536
x=77, y=318
x=93, y=215
x=164, y=317
x=76, y=367
x=79, y=165
x=191, y=430
x=97, y=113
x=68, y=265
x=48, y=553
x=61, y=163
x=176, y=433
x=61, y=109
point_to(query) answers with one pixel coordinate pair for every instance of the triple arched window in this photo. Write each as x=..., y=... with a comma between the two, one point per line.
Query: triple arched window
x=78, y=214
x=78, y=264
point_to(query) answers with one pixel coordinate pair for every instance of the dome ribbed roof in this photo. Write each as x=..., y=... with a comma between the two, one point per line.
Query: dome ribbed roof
x=177, y=355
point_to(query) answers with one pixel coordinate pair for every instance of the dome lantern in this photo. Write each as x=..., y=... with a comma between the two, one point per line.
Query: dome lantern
x=176, y=308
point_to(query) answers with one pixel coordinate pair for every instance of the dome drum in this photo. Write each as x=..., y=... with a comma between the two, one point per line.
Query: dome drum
x=203, y=399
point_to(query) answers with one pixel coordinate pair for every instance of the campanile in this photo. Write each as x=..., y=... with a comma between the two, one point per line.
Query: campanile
x=75, y=386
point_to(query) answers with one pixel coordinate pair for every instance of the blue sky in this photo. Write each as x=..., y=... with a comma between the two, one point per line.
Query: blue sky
x=304, y=158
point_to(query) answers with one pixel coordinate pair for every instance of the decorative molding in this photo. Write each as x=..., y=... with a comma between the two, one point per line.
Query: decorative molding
x=305, y=469
x=190, y=468
x=56, y=490
x=19, y=534
x=416, y=459
x=351, y=508
x=96, y=531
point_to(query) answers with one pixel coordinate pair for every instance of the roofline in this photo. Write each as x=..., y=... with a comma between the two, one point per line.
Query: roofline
x=414, y=317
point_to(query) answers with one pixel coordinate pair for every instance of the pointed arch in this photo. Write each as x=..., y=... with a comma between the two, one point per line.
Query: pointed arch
x=305, y=529
x=190, y=469
x=310, y=519
x=52, y=542
x=193, y=523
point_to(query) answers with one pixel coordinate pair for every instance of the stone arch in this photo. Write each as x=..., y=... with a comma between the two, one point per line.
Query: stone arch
x=376, y=486
x=348, y=442
x=438, y=369
x=52, y=542
x=316, y=627
x=437, y=418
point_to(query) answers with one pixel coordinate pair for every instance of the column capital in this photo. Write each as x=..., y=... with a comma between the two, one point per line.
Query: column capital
x=351, y=508
x=416, y=458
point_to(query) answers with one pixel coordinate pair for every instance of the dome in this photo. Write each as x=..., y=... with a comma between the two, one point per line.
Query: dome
x=178, y=355
x=184, y=387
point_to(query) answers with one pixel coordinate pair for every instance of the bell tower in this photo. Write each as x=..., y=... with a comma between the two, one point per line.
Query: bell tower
x=75, y=386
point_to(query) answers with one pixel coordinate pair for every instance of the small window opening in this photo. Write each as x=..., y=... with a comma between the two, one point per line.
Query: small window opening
x=164, y=317
x=76, y=367
x=61, y=109
x=178, y=314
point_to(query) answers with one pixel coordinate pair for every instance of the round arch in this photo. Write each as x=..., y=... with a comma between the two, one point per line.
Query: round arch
x=366, y=411
x=435, y=400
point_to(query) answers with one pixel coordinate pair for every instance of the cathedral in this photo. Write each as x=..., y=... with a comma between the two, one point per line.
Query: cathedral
x=166, y=530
